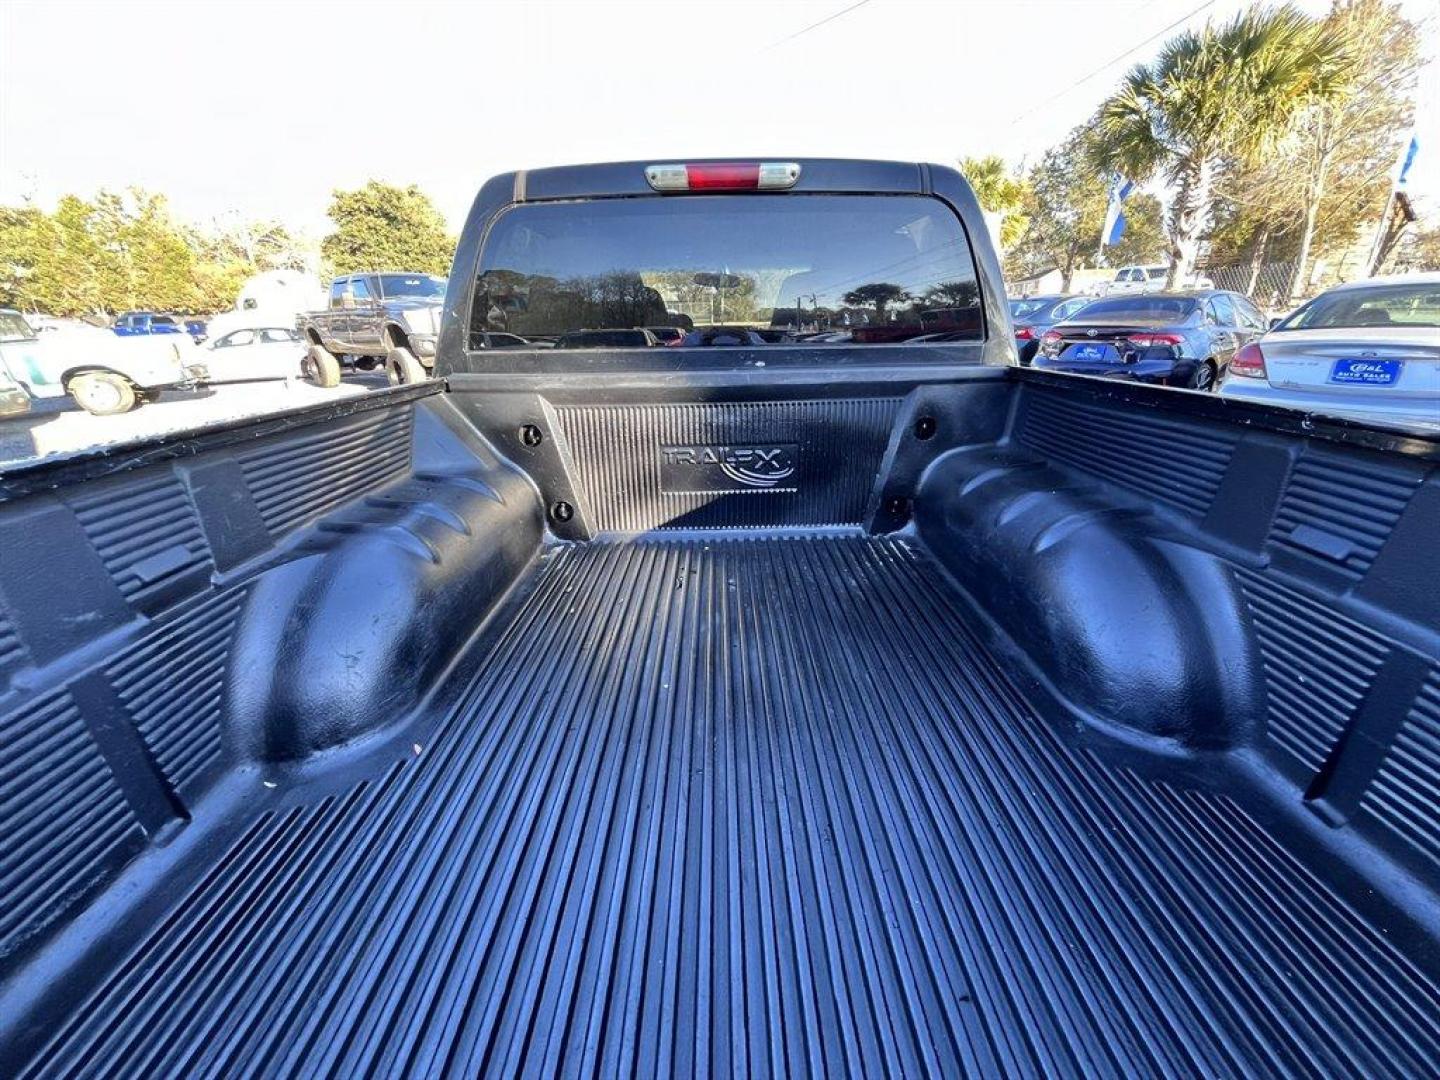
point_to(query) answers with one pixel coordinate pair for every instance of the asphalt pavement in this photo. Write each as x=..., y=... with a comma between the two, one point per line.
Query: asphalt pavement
x=58, y=425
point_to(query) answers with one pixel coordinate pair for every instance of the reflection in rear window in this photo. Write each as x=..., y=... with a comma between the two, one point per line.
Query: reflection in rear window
x=882, y=268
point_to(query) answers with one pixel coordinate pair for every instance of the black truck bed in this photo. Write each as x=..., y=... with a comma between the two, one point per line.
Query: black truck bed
x=728, y=805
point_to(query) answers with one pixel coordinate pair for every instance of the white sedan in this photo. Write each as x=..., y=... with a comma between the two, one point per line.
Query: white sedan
x=1369, y=350
x=255, y=352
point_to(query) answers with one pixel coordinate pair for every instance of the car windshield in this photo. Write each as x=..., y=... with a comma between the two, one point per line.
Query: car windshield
x=1145, y=308
x=1375, y=305
x=885, y=268
x=1019, y=309
x=13, y=327
x=424, y=286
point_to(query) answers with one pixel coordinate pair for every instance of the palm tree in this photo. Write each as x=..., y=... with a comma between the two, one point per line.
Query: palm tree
x=879, y=294
x=1226, y=91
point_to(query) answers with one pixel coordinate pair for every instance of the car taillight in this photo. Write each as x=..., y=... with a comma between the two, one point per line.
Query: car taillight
x=1024, y=333
x=1051, y=337
x=1249, y=362
x=1150, y=341
x=724, y=176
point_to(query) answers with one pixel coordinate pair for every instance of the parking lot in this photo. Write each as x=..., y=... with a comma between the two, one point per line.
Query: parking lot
x=59, y=426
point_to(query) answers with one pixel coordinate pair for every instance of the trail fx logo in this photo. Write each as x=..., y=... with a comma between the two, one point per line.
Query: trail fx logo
x=720, y=468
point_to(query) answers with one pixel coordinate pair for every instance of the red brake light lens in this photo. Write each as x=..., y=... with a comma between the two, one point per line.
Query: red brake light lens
x=724, y=176
x=1149, y=341
x=1024, y=333
x=1249, y=362
x=1051, y=337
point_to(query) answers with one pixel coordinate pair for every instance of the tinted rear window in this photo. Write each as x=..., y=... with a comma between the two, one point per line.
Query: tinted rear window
x=1139, y=307
x=604, y=339
x=1378, y=305
x=423, y=286
x=885, y=268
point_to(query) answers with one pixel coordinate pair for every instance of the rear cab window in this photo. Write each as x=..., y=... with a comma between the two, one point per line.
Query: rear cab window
x=420, y=286
x=871, y=269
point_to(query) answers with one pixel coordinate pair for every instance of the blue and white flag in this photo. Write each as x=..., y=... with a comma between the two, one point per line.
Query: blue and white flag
x=1407, y=158
x=1114, y=227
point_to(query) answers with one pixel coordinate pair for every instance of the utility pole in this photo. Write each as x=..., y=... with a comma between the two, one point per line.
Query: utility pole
x=814, y=303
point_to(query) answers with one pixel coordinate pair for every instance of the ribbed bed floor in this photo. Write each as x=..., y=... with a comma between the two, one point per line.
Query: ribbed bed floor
x=753, y=806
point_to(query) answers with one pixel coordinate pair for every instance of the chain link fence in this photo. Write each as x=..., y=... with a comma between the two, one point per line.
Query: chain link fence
x=1270, y=288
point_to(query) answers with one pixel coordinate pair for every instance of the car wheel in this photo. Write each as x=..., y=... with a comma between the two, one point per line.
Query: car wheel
x=320, y=367
x=102, y=393
x=1203, y=377
x=402, y=368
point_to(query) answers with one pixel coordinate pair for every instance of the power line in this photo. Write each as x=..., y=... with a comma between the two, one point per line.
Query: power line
x=1113, y=61
x=822, y=22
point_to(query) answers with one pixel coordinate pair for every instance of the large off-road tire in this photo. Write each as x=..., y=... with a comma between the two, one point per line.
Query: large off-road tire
x=403, y=368
x=102, y=393
x=321, y=367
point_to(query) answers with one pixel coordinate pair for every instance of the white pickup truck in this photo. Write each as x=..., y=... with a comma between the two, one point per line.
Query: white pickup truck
x=105, y=374
x=1145, y=279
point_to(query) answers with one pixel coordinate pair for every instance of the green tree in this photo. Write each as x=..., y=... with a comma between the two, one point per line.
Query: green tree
x=947, y=294
x=25, y=235
x=1227, y=91
x=1326, y=183
x=71, y=272
x=879, y=295
x=1144, y=239
x=1065, y=202
x=998, y=192
x=383, y=227
x=161, y=266
x=1419, y=251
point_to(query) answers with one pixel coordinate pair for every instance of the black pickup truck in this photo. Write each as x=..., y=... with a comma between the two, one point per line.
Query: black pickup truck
x=772, y=709
x=387, y=320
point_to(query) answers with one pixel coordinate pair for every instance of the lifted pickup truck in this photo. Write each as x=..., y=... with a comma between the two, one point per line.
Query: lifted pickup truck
x=726, y=710
x=388, y=319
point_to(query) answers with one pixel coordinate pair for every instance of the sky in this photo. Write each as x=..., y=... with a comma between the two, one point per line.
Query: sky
x=259, y=109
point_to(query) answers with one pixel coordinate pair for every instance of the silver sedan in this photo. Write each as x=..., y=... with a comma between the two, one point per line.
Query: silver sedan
x=1369, y=350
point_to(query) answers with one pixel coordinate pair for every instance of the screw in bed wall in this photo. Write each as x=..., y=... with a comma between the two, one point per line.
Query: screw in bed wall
x=562, y=512
x=925, y=427
x=531, y=435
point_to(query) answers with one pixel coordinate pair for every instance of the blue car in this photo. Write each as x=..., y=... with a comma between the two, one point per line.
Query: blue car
x=138, y=323
x=1171, y=339
x=1033, y=315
